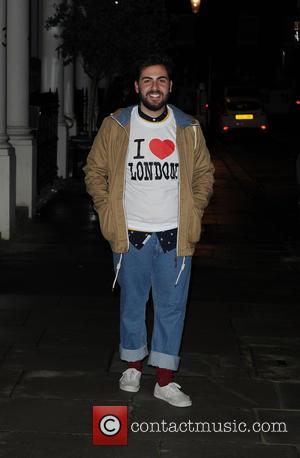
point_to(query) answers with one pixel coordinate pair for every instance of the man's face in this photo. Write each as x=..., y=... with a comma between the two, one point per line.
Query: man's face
x=153, y=87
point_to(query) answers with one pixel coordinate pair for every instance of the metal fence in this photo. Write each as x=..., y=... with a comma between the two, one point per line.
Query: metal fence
x=44, y=120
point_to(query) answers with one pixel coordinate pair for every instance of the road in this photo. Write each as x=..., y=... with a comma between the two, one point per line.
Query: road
x=271, y=163
x=252, y=221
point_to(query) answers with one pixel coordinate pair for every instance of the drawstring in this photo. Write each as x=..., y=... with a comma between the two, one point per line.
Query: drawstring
x=119, y=266
x=117, y=271
x=195, y=134
x=181, y=270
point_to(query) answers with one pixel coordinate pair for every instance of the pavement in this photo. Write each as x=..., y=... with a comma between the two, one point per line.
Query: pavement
x=59, y=323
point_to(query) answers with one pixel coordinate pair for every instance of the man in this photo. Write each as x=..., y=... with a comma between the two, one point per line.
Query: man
x=150, y=176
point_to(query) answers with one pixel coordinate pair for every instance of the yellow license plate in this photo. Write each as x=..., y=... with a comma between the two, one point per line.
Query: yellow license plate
x=244, y=116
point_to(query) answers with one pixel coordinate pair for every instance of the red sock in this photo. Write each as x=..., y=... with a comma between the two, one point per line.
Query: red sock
x=138, y=365
x=164, y=376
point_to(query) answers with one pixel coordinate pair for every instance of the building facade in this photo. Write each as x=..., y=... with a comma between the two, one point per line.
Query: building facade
x=32, y=78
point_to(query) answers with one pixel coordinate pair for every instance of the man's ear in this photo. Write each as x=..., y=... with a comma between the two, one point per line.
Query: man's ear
x=171, y=85
x=136, y=87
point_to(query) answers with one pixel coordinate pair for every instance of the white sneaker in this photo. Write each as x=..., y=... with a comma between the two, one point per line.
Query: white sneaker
x=171, y=394
x=130, y=380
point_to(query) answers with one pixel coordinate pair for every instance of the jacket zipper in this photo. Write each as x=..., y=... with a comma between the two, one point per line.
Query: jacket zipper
x=180, y=165
x=179, y=161
x=124, y=180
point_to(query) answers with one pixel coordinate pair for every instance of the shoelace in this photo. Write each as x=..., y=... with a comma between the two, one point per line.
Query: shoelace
x=174, y=387
x=130, y=374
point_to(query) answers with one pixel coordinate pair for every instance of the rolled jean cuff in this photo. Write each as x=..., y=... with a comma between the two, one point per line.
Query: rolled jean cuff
x=163, y=360
x=133, y=355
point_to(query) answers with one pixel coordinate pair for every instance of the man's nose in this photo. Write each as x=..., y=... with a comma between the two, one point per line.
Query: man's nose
x=154, y=84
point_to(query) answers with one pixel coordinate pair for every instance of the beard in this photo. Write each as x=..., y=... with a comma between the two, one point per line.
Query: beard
x=154, y=106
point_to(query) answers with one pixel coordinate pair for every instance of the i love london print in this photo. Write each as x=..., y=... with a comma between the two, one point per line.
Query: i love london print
x=142, y=169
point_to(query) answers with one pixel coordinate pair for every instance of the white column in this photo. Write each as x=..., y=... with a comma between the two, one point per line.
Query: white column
x=69, y=98
x=62, y=145
x=49, y=55
x=83, y=81
x=18, y=103
x=53, y=80
x=69, y=81
x=7, y=154
x=35, y=28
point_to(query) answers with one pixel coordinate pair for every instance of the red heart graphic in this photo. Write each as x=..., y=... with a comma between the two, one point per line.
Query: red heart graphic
x=161, y=148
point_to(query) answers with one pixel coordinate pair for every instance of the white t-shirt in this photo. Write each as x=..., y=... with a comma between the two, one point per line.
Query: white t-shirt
x=152, y=171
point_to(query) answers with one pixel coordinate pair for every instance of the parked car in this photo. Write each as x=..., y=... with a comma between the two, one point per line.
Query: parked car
x=242, y=112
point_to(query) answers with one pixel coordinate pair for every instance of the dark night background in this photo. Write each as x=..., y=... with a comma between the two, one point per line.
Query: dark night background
x=59, y=319
x=230, y=42
x=243, y=38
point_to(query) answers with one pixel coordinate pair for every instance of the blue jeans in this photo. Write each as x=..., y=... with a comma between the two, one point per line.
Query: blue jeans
x=140, y=270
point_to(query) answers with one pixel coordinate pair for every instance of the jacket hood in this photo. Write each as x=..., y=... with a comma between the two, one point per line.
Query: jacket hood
x=182, y=119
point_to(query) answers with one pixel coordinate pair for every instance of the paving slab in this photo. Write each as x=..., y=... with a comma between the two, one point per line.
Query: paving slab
x=67, y=384
x=4, y=350
x=87, y=320
x=102, y=303
x=274, y=341
x=41, y=270
x=276, y=363
x=228, y=365
x=241, y=279
x=203, y=322
x=90, y=335
x=57, y=357
x=13, y=317
x=207, y=392
x=210, y=310
x=238, y=258
x=258, y=393
x=8, y=380
x=208, y=422
x=20, y=334
x=210, y=343
x=287, y=421
x=277, y=312
x=268, y=327
x=58, y=319
x=289, y=395
x=21, y=301
x=264, y=310
x=197, y=448
x=58, y=416
x=42, y=445
x=208, y=331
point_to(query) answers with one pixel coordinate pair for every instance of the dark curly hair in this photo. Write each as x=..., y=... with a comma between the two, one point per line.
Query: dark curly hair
x=154, y=59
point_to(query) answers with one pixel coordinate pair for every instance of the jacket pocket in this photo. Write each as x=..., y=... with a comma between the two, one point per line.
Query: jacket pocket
x=106, y=221
x=194, y=228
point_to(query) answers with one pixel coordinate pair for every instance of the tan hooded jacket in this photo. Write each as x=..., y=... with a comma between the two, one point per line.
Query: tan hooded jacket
x=105, y=179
